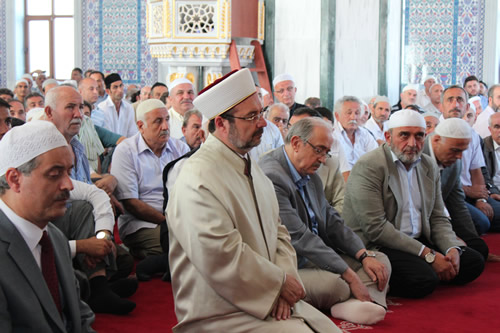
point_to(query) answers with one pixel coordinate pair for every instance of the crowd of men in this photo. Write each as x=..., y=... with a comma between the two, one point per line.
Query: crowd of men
x=263, y=213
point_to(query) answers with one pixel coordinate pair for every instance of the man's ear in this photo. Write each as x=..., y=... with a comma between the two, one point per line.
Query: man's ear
x=13, y=177
x=387, y=135
x=295, y=143
x=48, y=112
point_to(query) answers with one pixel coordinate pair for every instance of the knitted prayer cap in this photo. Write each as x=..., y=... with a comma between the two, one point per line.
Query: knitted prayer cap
x=406, y=118
x=178, y=81
x=49, y=81
x=225, y=93
x=430, y=114
x=283, y=77
x=23, y=143
x=455, y=128
x=428, y=77
x=21, y=80
x=410, y=87
x=35, y=114
x=147, y=106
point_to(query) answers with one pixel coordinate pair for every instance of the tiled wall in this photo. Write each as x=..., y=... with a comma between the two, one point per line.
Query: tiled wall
x=114, y=40
x=3, y=46
x=443, y=38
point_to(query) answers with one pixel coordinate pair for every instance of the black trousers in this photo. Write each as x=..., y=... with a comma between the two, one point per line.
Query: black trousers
x=413, y=277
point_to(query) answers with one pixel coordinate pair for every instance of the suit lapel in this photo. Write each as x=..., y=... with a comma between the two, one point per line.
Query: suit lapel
x=22, y=256
x=394, y=184
x=424, y=182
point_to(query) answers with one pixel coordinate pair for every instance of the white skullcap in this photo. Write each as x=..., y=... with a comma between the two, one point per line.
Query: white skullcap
x=410, y=87
x=281, y=78
x=474, y=99
x=27, y=76
x=428, y=77
x=404, y=118
x=147, y=106
x=178, y=81
x=455, y=128
x=21, y=80
x=430, y=114
x=49, y=81
x=379, y=99
x=23, y=143
x=35, y=114
x=472, y=106
x=225, y=93
x=71, y=83
x=264, y=92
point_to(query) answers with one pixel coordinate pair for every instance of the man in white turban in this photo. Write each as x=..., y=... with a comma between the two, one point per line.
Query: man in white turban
x=393, y=202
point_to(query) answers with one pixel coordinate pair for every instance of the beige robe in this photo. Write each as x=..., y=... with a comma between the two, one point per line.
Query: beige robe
x=229, y=251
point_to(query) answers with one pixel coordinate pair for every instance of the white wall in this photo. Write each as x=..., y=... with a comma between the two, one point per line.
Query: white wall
x=491, y=55
x=356, y=48
x=297, y=44
x=393, y=60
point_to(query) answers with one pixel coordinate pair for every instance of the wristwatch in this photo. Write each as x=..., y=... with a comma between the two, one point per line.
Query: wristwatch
x=430, y=257
x=103, y=235
x=366, y=254
x=481, y=200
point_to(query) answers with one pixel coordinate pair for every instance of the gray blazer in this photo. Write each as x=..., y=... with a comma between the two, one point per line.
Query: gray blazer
x=490, y=160
x=333, y=236
x=454, y=198
x=373, y=200
x=26, y=304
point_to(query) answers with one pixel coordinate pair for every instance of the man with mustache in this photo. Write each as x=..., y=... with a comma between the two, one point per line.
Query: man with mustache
x=356, y=140
x=226, y=239
x=181, y=95
x=118, y=113
x=351, y=283
x=38, y=288
x=138, y=164
x=393, y=202
x=483, y=207
x=194, y=135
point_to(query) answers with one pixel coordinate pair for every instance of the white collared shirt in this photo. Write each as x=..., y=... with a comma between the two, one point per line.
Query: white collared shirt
x=139, y=174
x=481, y=124
x=122, y=122
x=374, y=128
x=472, y=158
x=363, y=143
x=271, y=139
x=175, y=124
x=30, y=232
x=496, y=177
x=422, y=98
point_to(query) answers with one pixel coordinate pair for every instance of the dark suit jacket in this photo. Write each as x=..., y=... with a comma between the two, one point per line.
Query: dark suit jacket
x=26, y=304
x=490, y=170
x=454, y=198
x=333, y=236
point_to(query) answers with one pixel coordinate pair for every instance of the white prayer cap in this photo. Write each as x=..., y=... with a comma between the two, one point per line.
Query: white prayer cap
x=379, y=99
x=428, y=77
x=27, y=76
x=410, y=87
x=49, y=81
x=406, y=118
x=21, y=80
x=283, y=77
x=147, y=106
x=225, y=93
x=35, y=114
x=23, y=143
x=178, y=81
x=474, y=99
x=455, y=128
x=472, y=106
x=264, y=92
x=71, y=83
x=430, y=114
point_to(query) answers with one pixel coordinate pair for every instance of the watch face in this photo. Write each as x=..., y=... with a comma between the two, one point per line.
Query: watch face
x=371, y=254
x=101, y=235
x=430, y=257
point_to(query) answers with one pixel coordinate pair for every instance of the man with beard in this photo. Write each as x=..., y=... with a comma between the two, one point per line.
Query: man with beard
x=138, y=164
x=194, y=135
x=355, y=140
x=377, y=124
x=481, y=124
x=226, y=239
x=393, y=202
x=181, y=95
x=118, y=113
x=424, y=95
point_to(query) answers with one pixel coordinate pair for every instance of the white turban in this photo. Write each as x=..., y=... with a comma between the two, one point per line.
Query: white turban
x=406, y=118
x=225, y=93
x=455, y=128
x=281, y=78
x=23, y=143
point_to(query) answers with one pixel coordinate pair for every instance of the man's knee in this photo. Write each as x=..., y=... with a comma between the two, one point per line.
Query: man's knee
x=471, y=266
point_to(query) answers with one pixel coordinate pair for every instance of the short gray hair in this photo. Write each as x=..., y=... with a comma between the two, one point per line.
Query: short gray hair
x=25, y=169
x=304, y=128
x=53, y=95
x=188, y=115
x=492, y=89
x=282, y=106
x=340, y=102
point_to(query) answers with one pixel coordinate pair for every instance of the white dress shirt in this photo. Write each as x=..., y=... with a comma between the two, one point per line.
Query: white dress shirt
x=472, y=158
x=122, y=122
x=374, y=128
x=481, y=124
x=432, y=109
x=139, y=174
x=271, y=139
x=496, y=177
x=363, y=143
x=175, y=124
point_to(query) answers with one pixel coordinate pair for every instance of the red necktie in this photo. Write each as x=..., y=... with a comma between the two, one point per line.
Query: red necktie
x=49, y=269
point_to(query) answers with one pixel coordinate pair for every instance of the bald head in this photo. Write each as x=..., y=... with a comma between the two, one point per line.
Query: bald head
x=88, y=88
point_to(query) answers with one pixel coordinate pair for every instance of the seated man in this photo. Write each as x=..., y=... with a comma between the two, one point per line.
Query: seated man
x=38, y=290
x=393, y=202
x=194, y=135
x=285, y=90
x=452, y=137
x=279, y=114
x=181, y=94
x=377, y=124
x=138, y=164
x=351, y=285
x=407, y=97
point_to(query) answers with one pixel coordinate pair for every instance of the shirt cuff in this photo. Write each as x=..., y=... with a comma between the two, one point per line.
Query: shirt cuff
x=72, y=248
x=455, y=247
x=421, y=250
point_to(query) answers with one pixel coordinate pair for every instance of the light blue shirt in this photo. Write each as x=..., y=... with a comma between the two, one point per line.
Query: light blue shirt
x=271, y=139
x=81, y=170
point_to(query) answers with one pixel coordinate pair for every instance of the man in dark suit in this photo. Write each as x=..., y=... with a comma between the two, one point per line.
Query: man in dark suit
x=337, y=271
x=490, y=147
x=38, y=289
x=452, y=136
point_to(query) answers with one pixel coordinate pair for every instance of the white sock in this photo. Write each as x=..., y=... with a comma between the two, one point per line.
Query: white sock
x=358, y=312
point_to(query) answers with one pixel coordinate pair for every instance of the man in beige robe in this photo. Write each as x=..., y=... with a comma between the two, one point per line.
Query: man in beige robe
x=233, y=266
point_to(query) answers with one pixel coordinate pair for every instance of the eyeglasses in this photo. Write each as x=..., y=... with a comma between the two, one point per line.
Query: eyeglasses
x=278, y=120
x=254, y=118
x=319, y=151
x=289, y=89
